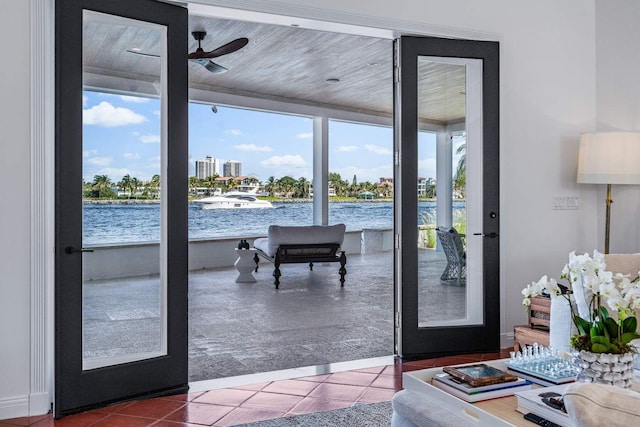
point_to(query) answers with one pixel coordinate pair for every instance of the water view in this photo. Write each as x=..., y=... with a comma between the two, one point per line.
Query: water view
x=130, y=223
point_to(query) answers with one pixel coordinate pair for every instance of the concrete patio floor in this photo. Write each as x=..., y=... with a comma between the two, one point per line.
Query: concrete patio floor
x=246, y=328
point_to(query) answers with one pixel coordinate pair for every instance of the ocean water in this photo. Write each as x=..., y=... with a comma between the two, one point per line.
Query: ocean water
x=122, y=223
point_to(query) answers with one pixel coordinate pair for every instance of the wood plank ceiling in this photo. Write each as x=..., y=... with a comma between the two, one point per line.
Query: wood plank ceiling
x=283, y=63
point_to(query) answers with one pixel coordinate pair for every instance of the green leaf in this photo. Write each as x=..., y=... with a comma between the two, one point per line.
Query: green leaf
x=599, y=339
x=627, y=337
x=583, y=326
x=599, y=348
x=604, y=314
x=630, y=324
x=612, y=327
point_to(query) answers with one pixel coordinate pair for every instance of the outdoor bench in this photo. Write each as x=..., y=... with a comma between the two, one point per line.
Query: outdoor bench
x=302, y=244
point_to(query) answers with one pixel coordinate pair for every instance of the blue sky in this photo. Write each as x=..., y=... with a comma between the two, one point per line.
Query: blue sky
x=121, y=136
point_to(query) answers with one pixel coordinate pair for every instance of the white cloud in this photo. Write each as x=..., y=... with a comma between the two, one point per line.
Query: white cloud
x=234, y=132
x=105, y=114
x=288, y=160
x=131, y=156
x=88, y=153
x=378, y=149
x=372, y=174
x=156, y=112
x=427, y=168
x=85, y=98
x=134, y=99
x=307, y=135
x=347, y=148
x=115, y=174
x=154, y=163
x=150, y=139
x=252, y=147
x=99, y=161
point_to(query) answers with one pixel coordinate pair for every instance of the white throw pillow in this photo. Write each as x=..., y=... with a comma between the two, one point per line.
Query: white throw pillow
x=592, y=405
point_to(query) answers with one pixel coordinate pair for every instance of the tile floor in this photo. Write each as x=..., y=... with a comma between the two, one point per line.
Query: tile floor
x=244, y=404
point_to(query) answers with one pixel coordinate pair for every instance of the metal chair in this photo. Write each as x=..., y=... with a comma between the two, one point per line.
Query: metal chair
x=454, y=248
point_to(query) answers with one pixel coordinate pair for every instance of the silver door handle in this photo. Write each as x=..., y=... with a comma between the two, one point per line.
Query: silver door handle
x=491, y=235
x=72, y=250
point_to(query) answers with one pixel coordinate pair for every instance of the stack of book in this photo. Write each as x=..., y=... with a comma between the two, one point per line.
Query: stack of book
x=543, y=402
x=478, y=382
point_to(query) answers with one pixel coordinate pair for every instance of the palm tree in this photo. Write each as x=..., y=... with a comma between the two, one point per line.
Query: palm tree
x=194, y=183
x=302, y=188
x=125, y=184
x=270, y=186
x=154, y=185
x=232, y=184
x=211, y=182
x=287, y=184
x=460, y=177
x=133, y=186
x=102, y=184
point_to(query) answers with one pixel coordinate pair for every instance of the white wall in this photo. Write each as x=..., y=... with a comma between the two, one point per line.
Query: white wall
x=618, y=109
x=15, y=212
x=548, y=97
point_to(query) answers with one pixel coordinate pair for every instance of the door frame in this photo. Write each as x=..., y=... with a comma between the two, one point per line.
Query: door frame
x=412, y=341
x=42, y=81
x=78, y=389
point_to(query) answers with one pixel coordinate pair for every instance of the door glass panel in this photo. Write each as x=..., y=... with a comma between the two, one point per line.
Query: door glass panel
x=449, y=190
x=123, y=138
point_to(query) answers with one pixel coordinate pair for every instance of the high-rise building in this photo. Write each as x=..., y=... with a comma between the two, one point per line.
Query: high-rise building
x=207, y=167
x=232, y=168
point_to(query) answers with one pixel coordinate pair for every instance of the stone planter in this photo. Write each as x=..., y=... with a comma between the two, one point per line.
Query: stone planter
x=605, y=368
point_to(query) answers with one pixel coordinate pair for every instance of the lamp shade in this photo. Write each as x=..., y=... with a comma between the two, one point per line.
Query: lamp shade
x=609, y=158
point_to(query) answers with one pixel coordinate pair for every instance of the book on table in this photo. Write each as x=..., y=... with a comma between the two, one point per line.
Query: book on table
x=544, y=403
x=468, y=388
x=479, y=374
x=468, y=393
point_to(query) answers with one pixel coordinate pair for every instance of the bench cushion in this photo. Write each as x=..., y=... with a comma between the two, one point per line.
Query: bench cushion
x=299, y=235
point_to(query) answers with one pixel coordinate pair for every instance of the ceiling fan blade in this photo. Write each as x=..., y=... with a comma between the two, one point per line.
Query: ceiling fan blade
x=230, y=47
x=210, y=65
x=137, y=52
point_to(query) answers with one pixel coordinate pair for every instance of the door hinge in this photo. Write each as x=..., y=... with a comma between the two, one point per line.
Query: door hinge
x=396, y=62
x=396, y=158
x=396, y=241
x=396, y=320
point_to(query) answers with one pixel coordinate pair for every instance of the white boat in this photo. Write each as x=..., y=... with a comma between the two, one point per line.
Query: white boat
x=234, y=200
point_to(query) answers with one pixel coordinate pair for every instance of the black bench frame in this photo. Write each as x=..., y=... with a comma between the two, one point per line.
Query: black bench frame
x=303, y=253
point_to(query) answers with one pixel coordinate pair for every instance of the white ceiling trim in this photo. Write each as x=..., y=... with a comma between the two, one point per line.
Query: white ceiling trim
x=272, y=12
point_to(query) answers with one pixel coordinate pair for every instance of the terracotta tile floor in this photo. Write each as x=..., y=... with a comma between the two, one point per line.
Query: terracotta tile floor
x=256, y=402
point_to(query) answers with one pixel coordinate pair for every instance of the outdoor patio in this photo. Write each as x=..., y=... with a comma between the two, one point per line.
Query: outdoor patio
x=246, y=328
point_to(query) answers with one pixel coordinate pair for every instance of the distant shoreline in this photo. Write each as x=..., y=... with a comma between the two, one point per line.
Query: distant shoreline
x=275, y=200
x=271, y=199
x=155, y=202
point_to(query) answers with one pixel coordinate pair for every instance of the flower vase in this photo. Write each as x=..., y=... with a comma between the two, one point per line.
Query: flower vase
x=605, y=368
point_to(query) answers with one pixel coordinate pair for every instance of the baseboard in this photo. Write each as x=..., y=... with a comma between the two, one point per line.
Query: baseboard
x=506, y=340
x=14, y=407
x=39, y=404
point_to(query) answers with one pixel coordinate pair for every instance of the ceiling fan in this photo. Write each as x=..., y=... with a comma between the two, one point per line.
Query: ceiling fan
x=204, y=58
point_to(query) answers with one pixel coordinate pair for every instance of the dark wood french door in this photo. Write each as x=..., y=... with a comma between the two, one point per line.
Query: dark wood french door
x=139, y=346
x=451, y=88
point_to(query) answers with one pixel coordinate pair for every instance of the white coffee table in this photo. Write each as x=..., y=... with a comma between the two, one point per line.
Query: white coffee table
x=245, y=265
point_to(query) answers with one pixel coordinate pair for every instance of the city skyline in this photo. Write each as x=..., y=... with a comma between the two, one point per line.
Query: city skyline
x=122, y=136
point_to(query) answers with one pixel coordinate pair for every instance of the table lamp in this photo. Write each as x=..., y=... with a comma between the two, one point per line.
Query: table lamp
x=609, y=158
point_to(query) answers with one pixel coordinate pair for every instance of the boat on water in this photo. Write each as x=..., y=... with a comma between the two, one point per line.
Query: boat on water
x=234, y=200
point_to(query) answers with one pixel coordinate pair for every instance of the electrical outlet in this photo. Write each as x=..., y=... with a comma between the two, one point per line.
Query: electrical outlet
x=566, y=203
